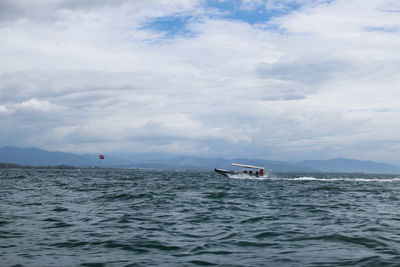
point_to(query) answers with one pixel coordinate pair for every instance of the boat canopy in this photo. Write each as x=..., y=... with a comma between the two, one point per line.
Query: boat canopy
x=247, y=166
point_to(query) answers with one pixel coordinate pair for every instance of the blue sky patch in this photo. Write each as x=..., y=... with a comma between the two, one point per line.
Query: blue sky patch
x=233, y=10
x=256, y=14
x=171, y=25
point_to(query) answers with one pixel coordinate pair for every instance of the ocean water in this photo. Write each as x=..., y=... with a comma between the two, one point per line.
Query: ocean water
x=185, y=218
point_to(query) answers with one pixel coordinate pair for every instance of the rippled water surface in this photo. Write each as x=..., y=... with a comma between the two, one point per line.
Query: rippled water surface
x=164, y=218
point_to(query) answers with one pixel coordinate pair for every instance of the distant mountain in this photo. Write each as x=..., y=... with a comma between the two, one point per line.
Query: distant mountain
x=198, y=163
x=39, y=157
x=350, y=165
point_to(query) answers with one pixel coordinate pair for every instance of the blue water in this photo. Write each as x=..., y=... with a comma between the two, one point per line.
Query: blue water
x=166, y=218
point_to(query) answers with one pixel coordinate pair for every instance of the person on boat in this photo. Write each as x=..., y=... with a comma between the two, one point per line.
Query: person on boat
x=261, y=172
x=256, y=172
x=244, y=171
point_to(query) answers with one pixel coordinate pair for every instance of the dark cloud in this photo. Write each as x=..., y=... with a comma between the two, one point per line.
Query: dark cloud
x=301, y=72
x=48, y=10
x=89, y=4
x=11, y=10
x=286, y=97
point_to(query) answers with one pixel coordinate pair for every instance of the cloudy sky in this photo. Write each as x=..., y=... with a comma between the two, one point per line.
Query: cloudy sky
x=283, y=80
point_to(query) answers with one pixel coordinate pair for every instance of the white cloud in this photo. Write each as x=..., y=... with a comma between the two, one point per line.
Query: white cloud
x=35, y=104
x=3, y=109
x=304, y=85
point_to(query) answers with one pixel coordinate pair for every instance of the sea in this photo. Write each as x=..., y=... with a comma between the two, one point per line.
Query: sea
x=106, y=217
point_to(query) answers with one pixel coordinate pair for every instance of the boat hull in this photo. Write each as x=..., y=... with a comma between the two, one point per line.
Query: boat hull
x=229, y=173
x=225, y=172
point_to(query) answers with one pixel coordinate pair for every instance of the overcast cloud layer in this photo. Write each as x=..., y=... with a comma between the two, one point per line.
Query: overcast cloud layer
x=284, y=80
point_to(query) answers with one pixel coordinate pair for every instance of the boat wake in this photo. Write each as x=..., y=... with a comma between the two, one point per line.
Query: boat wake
x=305, y=178
x=311, y=178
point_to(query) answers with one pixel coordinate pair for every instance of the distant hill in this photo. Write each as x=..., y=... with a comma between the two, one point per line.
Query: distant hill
x=198, y=163
x=350, y=165
x=39, y=157
x=17, y=166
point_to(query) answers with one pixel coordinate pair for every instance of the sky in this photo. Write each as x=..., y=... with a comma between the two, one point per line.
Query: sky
x=280, y=80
